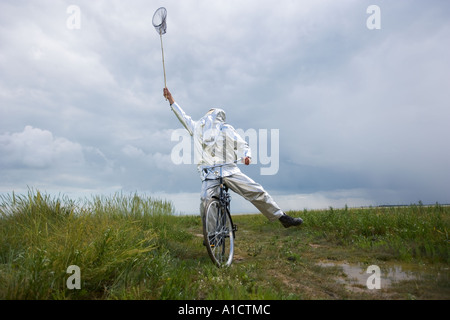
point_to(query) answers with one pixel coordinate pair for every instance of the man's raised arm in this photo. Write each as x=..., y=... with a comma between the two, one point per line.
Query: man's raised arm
x=186, y=120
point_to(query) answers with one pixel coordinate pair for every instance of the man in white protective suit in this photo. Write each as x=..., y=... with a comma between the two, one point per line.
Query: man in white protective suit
x=217, y=142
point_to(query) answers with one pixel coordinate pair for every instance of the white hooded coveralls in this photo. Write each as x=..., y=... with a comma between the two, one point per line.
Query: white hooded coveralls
x=216, y=142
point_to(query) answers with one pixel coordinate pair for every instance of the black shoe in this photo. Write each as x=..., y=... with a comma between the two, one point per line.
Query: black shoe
x=288, y=221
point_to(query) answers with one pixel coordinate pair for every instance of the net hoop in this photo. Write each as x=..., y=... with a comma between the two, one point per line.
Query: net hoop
x=159, y=20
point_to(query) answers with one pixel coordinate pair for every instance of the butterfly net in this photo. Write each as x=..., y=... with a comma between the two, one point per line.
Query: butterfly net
x=159, y=20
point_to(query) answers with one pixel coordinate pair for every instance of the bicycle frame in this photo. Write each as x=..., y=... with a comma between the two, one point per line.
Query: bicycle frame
x=223, y=200
x=224, y=196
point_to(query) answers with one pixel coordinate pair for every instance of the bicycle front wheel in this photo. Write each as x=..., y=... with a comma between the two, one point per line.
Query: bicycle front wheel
x=218, y=234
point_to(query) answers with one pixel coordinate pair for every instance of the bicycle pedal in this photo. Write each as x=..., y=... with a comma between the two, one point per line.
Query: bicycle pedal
x=235, y=228
x=212, y=245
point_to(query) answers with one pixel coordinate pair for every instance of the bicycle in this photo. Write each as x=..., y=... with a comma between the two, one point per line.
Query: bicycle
x=218, y=228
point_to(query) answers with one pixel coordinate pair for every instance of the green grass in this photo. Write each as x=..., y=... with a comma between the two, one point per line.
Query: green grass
x=134, y=247
x=416, y=231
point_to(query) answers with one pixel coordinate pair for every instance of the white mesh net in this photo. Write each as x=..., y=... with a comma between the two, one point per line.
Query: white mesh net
x=159, y=20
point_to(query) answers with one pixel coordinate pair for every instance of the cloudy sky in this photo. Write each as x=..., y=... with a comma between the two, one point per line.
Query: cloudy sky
x=363, y=114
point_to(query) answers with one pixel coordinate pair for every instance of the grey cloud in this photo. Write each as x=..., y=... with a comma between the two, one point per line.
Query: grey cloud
x=36, y=148
x=356, y=109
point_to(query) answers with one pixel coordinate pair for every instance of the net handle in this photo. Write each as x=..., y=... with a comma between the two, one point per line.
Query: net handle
x=164, y=66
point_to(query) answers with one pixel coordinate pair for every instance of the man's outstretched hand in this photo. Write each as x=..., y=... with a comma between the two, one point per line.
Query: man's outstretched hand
x=168, y=96
x=247, y=160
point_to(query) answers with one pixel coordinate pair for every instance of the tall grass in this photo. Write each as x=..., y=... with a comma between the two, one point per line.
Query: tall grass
x=112, y=239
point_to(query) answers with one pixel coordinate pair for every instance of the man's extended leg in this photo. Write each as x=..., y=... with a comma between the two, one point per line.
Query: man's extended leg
x=255, y=193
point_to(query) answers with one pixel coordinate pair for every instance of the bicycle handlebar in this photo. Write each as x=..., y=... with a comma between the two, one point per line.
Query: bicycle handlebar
x=221, y=164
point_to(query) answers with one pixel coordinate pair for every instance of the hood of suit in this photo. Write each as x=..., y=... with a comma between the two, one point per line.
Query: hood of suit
x=212, y=124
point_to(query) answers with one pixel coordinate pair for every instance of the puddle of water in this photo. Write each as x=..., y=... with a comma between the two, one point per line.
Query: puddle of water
x=357, y=273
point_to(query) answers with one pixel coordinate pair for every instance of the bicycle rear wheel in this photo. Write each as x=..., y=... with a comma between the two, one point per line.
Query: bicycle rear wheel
x=218, y=234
